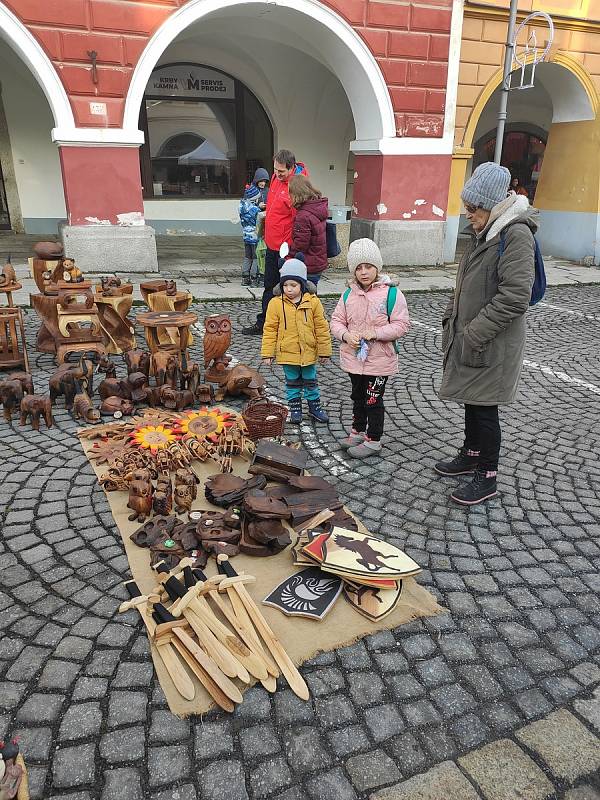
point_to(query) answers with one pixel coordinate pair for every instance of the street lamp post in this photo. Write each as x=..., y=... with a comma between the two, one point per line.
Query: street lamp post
x=530, y=56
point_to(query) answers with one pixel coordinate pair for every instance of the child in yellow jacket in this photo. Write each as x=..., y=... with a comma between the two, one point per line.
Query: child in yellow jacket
x=296, y=335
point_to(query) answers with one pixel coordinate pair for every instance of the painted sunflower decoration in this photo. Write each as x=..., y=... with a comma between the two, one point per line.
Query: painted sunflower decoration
x=207, y=423
x=153, y=437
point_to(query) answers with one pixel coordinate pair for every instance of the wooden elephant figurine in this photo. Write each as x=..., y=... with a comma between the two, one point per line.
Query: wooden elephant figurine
x=11, y=395
x=60, y=385
x=24, y=379
x=36, y=406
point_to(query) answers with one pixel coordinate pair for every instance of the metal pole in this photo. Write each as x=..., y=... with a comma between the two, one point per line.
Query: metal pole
x=508, y=60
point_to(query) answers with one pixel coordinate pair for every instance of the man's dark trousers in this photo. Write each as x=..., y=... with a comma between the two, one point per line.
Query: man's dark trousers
x=271, y=281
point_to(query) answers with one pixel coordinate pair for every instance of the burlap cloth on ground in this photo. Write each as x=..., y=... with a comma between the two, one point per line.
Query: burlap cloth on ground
x=302, y=638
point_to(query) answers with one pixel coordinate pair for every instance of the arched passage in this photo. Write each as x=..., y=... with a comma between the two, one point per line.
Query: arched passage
x=562, y=108
x=19, y=39
x=310, y=26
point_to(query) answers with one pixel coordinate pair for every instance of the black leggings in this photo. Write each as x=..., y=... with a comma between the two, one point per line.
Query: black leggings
x=482, y=434
x=368, y=409
x=271, y=279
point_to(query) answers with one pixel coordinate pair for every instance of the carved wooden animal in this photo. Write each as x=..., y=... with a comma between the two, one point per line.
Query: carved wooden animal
x=185, y=477
x=112, y=404
x=82, y=372
x=140, y=500
x=138, y=387
x=8, y=277
x=134, y=388
x=174, y=399
x=73, y=271
x=162, y=501
x=36, y=406
x=83, y=408
x=110, y=286
x=171, y=288
x=106, y=366
x=24, y=379
x=190, y=377
x=217, y=338
x=241, y=380
x=183, y=497
x=165, y=366
x=11, y=395
x=205, y=393
x=137, y=361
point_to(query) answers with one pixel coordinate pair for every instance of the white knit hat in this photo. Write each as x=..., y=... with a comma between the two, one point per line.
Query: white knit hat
x=364, y=251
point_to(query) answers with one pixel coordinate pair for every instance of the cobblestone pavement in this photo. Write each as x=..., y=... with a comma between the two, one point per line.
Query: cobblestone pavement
x=519, y=577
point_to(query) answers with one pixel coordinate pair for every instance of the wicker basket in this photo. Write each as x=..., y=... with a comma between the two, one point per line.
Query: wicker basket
x=264, y=418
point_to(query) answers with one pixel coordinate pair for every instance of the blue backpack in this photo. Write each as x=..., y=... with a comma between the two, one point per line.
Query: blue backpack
x=391, y=302
x=539, y=282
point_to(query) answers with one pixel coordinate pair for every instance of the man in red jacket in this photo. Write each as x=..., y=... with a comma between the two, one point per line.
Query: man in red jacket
x=279, y=222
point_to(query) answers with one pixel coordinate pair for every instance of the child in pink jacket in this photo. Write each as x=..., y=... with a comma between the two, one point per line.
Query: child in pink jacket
x=361, y=322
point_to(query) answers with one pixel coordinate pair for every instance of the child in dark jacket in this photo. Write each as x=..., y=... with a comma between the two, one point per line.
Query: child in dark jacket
x=308, y=235
x=248, y=218
x=261, y=179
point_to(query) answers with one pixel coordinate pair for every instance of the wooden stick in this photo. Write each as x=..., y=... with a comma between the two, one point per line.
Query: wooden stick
x=211, y=687
x=207, y=664
x=287, y=666
x=214, y=648
x=181, y=680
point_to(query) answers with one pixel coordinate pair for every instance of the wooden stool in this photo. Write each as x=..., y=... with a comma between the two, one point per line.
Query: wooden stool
x=149, y=287
x=13, y=349
x=117, y=329
x=152, y=321
x=161, y=301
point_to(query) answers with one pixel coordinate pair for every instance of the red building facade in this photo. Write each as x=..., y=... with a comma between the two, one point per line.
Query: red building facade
x=396, y=61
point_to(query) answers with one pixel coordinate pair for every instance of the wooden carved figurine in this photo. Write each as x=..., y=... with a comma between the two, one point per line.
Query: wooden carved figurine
x=9, y=276
x=36, y=406
x=110, y=286
x=241, y=380
x=217, y=338
x=83, y=408
x=185, y=477
x=140, y=499
x=165, y=368
x=205, y=394
x=183, y=498
x=174, y=399
x=171, y=288
x=116, y=405
x=190, y=377
x=24, y=379
x=11, y=395
x=62, y=380
x=106, y=366
x=137, y=361
x=71, y=272
x=13, y=780
x=162, y=502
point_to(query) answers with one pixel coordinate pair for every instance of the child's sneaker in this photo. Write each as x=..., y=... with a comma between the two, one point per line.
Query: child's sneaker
x=246, y=281
x=317, y=412
x=352, y=440
x=366, y=449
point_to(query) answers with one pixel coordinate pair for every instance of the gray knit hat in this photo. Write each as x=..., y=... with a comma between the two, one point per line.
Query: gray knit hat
x=487, y=186
x=293, y=270
x=364, y=251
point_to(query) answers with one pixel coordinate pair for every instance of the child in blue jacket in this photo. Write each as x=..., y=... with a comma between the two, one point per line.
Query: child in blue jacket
x=249, y=209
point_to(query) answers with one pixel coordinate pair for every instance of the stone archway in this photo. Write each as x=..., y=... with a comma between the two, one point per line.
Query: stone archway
x=565, y=105
x=328, y=36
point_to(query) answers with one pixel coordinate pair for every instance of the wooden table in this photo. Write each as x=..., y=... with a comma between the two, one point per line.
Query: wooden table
x=152, y=321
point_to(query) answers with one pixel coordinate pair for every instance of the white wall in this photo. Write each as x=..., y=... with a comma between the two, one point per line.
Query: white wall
x=36, y=161
x=305, y=102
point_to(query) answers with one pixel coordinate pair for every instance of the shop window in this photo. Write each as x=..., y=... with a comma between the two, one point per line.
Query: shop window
x=205, y=134
x=522, y=153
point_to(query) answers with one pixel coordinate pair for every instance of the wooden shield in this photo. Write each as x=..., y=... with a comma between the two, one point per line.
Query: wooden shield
x=308, y=593
x=354, y=555
x=371, y=602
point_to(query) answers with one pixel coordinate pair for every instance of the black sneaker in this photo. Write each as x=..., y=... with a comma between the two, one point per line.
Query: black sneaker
x=252, y=330
x=479, y=489
x=462, y=464
x=245, y=281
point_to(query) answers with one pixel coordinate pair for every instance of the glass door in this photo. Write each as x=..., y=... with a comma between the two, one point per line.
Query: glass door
x=4, y=216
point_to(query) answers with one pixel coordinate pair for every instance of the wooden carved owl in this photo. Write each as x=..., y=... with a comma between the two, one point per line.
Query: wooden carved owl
x=217, y=337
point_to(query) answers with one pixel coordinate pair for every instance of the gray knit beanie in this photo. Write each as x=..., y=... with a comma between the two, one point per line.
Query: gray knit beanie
x=293, y=270
x=364, y=251
x=487, y=186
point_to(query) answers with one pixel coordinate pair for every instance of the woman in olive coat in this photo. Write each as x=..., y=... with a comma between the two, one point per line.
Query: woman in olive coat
x=484, y=324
